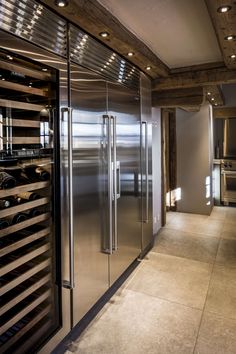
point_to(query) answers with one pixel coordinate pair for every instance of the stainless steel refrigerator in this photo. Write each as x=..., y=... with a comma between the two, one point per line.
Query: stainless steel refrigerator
x=72, y=106
x=105, y=139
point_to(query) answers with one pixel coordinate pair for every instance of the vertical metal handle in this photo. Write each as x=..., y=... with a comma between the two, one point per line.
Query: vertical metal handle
x=110, y=181
x=118, y=179
x=146, y=219
x=115, y=239
x=71, y=283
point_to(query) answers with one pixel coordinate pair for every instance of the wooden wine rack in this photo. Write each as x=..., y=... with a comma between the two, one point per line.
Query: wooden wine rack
x=24, y=188
x=27, y=248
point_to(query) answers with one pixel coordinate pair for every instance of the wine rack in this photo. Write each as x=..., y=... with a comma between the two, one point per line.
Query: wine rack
x=28, y=290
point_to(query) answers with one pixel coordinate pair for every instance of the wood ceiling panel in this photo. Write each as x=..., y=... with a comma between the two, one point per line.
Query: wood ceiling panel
x=225, y=25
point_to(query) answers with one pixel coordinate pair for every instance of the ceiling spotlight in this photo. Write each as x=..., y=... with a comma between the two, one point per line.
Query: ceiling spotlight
x=223, y=9
x=61, y=3
x=148, y=67
x=9, y=57
x=233, y=56
x=231, y=37
x=130, y=54
x=44, y=69
x=104, y=34
x=213, y=99
x=208, y=93
x=216, y=104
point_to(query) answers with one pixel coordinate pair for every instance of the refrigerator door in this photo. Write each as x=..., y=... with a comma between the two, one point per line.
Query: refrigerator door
x=123, y=106
x=146, y=161
x=34, y=303
x=90, y=189
x=229, y=144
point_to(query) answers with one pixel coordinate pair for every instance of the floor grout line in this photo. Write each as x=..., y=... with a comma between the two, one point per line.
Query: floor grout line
x=164, y=299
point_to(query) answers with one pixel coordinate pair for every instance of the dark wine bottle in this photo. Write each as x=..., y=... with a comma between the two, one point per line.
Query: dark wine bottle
x=34, y=212
x=4, y=223
x=28, y=196
x=16, y=218
x=42, y=174
x=18, y=173
x=6, y=180
x=4, y=203
x=36, y=172
x=13, y=200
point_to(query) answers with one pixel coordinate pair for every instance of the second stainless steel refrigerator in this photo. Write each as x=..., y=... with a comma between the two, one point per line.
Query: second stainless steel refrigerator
x=105, y=184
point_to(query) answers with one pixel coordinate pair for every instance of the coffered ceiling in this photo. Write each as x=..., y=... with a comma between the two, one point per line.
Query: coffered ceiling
x=179, y=32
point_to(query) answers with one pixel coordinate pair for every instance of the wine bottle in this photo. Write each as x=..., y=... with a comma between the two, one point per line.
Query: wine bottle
x=37, y=172
x=18, y=173
x=28, y=196
x=6, y=180
x=4, y=203
x=4, y=223
x=34, y=212
x=16, y=218
x=13, y=200
x=42, y=174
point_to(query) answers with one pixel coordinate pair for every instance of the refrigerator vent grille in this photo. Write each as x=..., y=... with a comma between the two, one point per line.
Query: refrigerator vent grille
x=88, y=52
x=35, y=23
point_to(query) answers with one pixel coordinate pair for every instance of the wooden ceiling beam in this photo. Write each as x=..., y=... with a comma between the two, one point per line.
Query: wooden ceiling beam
x=214, y=95
x=191, y=109
x=226, y=112
x=194, y=79
x=178, y=98
x=91, y=16
x=224, y=25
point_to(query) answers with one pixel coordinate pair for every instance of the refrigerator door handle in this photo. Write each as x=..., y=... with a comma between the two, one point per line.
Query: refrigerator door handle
x=115, y=195
x=71, y=283
x=110, y=181
x=145, y=125
x=118, y=179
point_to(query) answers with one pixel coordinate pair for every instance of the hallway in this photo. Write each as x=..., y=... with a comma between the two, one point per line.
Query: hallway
x=182, y=297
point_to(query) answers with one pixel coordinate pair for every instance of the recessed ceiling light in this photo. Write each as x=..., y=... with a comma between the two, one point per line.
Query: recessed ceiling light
x=231, y=37
x=216, y=104
x=104, y=34
x=148, y=67
x=224, y=8
x=61, y=3
x=130, y=54
x=213, y=99
x=44, y=69
x=233, y=56
x=208, y=93
x=9, y=57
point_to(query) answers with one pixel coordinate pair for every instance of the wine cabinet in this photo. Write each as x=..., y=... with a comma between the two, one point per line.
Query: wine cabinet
x=29, y=295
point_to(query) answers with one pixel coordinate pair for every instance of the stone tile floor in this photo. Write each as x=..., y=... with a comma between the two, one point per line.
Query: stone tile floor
x=182, y=297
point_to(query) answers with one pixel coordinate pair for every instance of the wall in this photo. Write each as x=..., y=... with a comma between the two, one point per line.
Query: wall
x=229, y=93
x=194, y=160
x=156, y=168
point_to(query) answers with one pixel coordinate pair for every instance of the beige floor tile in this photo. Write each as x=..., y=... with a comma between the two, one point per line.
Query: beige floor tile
x=221, y=297
x=230, y=219
x=229, y=231
x=187, y=245
x=206, y=227
x=171, y=278
x=138, y=323
x=218, y=213
x=226, y=254
x=170, y=216
x=216, y=336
